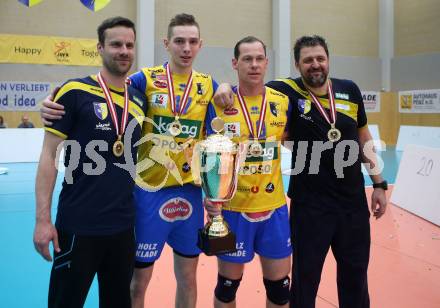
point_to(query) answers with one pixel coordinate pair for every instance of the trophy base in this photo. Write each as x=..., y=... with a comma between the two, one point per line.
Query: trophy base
x=216, y=245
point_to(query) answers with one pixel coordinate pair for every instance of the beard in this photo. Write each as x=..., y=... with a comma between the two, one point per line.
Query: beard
x=315, y=81
x=114, y=68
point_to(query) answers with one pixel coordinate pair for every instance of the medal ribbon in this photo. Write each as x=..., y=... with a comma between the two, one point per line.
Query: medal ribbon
x=332, y=119
x=247, y=116
x=111, y=106
x=170, y=87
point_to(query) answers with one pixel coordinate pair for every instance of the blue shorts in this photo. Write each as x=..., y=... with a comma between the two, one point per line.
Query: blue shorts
x=265, y=233
x=172, y=215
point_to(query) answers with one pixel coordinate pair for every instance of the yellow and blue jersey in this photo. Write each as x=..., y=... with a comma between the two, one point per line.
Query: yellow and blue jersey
x=260, y=185
x=164, y=160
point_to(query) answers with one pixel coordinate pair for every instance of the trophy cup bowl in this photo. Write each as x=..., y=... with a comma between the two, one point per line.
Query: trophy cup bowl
x=218, y=159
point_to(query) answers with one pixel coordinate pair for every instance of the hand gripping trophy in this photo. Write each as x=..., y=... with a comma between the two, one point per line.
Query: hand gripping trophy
x=219, y=163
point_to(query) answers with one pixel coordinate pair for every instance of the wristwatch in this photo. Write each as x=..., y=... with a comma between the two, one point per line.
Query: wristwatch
x=383, y=185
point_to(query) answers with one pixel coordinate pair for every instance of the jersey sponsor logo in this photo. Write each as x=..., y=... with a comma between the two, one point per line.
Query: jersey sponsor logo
x=146, y=250
x=255, y=110
x=307, y=118
x=342, y=96
x=162, y=84
x=232, y=129
x=161, y=77
x=103, y=126
x=175, y=209
x=255, y=169
x=304, y=106
x=270, y=188
x=251, y=169
x=101, y=110
x=159, y=100
x=270, y=152
x=253, y=189
x=274, y=108
x=230, y=111
x=190, y=128
x=94, y=89
x=241, y=251
x=205, y=76
x=276, y=93
x=277, y=124
x=259, y=216
x=202, y=102
x=186, y=168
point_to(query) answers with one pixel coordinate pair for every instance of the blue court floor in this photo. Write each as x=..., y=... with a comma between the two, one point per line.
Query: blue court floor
x=25, y=274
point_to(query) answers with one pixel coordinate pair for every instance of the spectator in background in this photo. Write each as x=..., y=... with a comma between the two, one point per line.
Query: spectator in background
x=25, y=123
x=2, y=123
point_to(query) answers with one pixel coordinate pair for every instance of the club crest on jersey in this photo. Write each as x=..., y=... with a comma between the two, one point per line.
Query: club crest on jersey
x=159, y=100
x=259, y=216
x=273, y=108
x=175, y=209
x=304, y=106
x=199, y=88
x=101, y=110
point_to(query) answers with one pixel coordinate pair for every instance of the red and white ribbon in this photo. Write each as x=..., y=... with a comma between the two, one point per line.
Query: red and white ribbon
x=184, y=100
x=247, y=116
x=332, y=119
x=111, y=106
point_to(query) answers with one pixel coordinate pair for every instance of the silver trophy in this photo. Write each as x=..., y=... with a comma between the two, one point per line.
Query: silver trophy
x=219, y=163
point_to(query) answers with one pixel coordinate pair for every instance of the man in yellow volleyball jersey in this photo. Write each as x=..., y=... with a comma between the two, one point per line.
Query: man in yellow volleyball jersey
x=169, y=205
x=258, y=212
x=328, y=127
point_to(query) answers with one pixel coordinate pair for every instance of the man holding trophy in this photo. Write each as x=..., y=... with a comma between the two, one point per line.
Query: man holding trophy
x=257, y=214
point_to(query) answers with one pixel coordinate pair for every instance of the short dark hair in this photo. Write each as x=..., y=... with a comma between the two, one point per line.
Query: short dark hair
x=308, y=41
x=111, y=23
x=247, y=39
x=182, y=19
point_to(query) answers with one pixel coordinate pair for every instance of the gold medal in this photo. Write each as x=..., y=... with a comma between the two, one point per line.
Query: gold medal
x=255, y=148
x=175, y=128
x=333, y=134
x=217, y=124
x=118, y=147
